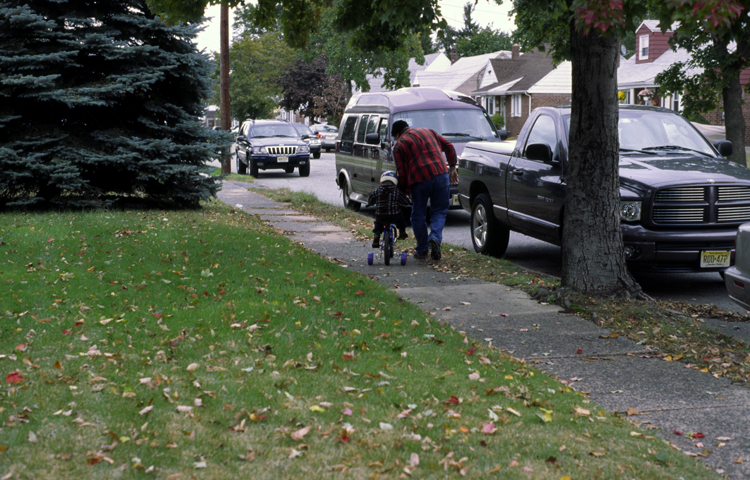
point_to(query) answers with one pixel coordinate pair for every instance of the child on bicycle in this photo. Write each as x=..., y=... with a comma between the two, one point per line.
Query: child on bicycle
x=389, y=202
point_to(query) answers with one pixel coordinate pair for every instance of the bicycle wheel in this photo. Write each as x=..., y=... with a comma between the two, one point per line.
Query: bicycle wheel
x=369, y=258
x=387, y=245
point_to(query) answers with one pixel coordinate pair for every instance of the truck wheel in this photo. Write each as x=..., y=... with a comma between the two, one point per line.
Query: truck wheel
x=241, y=167
x=253, y=168
x=348, y=202
x=316, y=155
x=288, y=169
x=489, y=236
x=304, y=170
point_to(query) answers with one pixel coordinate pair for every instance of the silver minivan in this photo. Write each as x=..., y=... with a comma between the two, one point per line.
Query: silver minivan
x=363, y=150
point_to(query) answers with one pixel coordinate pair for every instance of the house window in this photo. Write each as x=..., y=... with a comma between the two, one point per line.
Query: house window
x=515, y=106
x=491, y=105
x=643, y=49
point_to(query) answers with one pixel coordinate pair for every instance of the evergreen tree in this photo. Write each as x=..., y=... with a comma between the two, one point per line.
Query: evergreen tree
x=99, y=105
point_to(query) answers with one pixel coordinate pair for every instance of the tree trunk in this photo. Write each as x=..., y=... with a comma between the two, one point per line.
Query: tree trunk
x=593, y=261
x=225, y=107
x=734, y=121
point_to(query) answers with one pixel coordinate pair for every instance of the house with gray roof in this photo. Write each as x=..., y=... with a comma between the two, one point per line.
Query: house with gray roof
x=461, y=76
x=514, y=86
x=432, y=62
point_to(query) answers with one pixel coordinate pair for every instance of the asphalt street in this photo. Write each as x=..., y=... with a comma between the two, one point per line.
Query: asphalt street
x=700, y=288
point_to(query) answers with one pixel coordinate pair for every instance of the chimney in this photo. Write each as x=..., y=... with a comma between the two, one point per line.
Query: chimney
x=516, y=49
x=454, y=55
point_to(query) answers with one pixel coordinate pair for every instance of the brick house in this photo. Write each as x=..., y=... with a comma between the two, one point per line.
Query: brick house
x=517, y=85
x=636, y=77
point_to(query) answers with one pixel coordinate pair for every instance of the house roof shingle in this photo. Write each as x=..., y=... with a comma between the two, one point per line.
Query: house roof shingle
x=528, y=69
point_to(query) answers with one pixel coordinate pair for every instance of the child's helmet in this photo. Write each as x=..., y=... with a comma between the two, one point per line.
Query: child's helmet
x=389, y=176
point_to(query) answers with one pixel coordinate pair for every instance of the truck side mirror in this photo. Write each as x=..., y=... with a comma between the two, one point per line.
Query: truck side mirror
x=503, y=134
x=372, y=139
x=724, y=147
x=539, y=151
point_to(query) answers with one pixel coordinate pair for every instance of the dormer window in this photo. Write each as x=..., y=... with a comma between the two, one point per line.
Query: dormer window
x=643, y=47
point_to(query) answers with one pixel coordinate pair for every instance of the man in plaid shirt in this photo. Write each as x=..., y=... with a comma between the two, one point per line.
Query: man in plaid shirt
x=424, y=175
x=388, y=201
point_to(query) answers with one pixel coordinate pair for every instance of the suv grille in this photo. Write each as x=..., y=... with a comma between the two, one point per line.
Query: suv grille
x=282, y=150
x=710, y=204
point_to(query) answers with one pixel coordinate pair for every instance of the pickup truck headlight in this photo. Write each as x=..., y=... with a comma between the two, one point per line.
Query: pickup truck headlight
x=630, y=211
x=303, y=149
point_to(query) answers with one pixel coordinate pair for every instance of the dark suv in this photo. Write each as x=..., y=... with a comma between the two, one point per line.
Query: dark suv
x=271, y=144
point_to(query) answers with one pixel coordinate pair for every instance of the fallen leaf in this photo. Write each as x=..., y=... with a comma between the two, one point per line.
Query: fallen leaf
x=360, y=292
x=300, y=434
x=192, y=367
x=14, y=377
x=632, y=411
x=582, y=411
x=488, y=428
x=146, y=410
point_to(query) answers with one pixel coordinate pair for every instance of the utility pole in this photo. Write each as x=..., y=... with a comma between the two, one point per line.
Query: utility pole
x=225, y=104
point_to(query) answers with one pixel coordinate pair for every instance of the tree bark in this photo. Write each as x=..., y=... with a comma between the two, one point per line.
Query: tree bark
x=225, y=107
x=734, y=121
x=593, y=260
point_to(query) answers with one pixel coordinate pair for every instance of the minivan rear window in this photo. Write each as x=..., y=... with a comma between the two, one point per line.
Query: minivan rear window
x=456, y=124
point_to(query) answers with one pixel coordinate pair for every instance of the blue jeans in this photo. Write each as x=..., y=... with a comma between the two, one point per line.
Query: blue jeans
x=438, y=191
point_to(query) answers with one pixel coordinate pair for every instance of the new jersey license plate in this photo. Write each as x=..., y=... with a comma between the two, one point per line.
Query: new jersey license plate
x=282, y=159
x=715, y=259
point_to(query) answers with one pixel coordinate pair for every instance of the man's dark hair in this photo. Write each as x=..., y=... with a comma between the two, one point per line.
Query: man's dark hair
x=398, y=127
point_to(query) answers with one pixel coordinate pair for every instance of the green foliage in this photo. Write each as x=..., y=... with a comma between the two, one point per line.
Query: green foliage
x=472, y=39
x=485, y=40
x=257, y=63
x=353, y=62
x=498, y=120
x=100, y=106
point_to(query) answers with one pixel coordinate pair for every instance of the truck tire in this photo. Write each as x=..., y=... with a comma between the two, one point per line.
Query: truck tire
x=348, y=202
x=241, y=167
x=489, y=236
x=304, y=170
x=253, y=168
x=316, y=155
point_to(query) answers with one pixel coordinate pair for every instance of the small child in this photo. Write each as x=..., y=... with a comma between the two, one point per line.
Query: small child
x=388, y=201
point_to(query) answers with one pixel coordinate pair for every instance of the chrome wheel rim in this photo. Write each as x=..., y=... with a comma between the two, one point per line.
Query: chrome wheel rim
x=479, y=226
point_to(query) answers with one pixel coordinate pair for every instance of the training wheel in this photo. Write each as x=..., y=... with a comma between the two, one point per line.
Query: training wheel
x=403, y=258
x=369, y=258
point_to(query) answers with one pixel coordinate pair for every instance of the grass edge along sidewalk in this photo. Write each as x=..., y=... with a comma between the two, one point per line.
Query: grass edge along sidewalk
x=204, y=344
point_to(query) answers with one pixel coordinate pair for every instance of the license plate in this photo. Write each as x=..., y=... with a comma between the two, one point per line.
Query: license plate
x=715, y=259
x=282, y=159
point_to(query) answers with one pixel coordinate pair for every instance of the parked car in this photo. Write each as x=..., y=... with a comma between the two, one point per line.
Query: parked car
x=328, y=135
x=271, y=144
x=309, y=137
x=364, y=152
x=737, y=278
x=681, y=201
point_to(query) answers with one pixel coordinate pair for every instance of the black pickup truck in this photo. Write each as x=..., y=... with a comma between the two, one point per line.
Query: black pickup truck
x=680, y=201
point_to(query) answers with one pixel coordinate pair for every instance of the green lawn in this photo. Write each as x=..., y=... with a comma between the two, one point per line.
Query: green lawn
x=202, y=344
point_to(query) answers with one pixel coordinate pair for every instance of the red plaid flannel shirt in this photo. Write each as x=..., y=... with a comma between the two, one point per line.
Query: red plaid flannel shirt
x=418, y=155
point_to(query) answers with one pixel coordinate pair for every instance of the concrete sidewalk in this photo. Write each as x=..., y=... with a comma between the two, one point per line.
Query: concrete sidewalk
x=616, y=373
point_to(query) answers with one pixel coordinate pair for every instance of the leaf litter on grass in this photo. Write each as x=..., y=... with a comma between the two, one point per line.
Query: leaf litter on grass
x=166, y=369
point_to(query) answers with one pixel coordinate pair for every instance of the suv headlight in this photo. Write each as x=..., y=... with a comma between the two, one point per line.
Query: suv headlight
x=630, y=211
x=303, y=149
x=263, y=150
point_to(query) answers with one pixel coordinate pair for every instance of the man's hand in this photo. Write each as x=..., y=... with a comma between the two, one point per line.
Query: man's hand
x=453, y=175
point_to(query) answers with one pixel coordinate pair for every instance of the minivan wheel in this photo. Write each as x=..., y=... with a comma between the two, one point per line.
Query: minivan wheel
x=489, y=236
x=348, y=202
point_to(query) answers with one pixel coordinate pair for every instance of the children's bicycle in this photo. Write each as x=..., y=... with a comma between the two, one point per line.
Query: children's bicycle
x=389, y=236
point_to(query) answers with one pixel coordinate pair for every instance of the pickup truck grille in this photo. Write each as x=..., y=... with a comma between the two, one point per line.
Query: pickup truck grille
x=282, y=150
x=700, y=205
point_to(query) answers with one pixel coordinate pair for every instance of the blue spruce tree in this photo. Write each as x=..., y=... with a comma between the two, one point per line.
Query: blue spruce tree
x=99, y=105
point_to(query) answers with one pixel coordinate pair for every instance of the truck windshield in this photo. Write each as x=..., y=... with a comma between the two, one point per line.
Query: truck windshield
x=456, y=124
x=646, y=131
